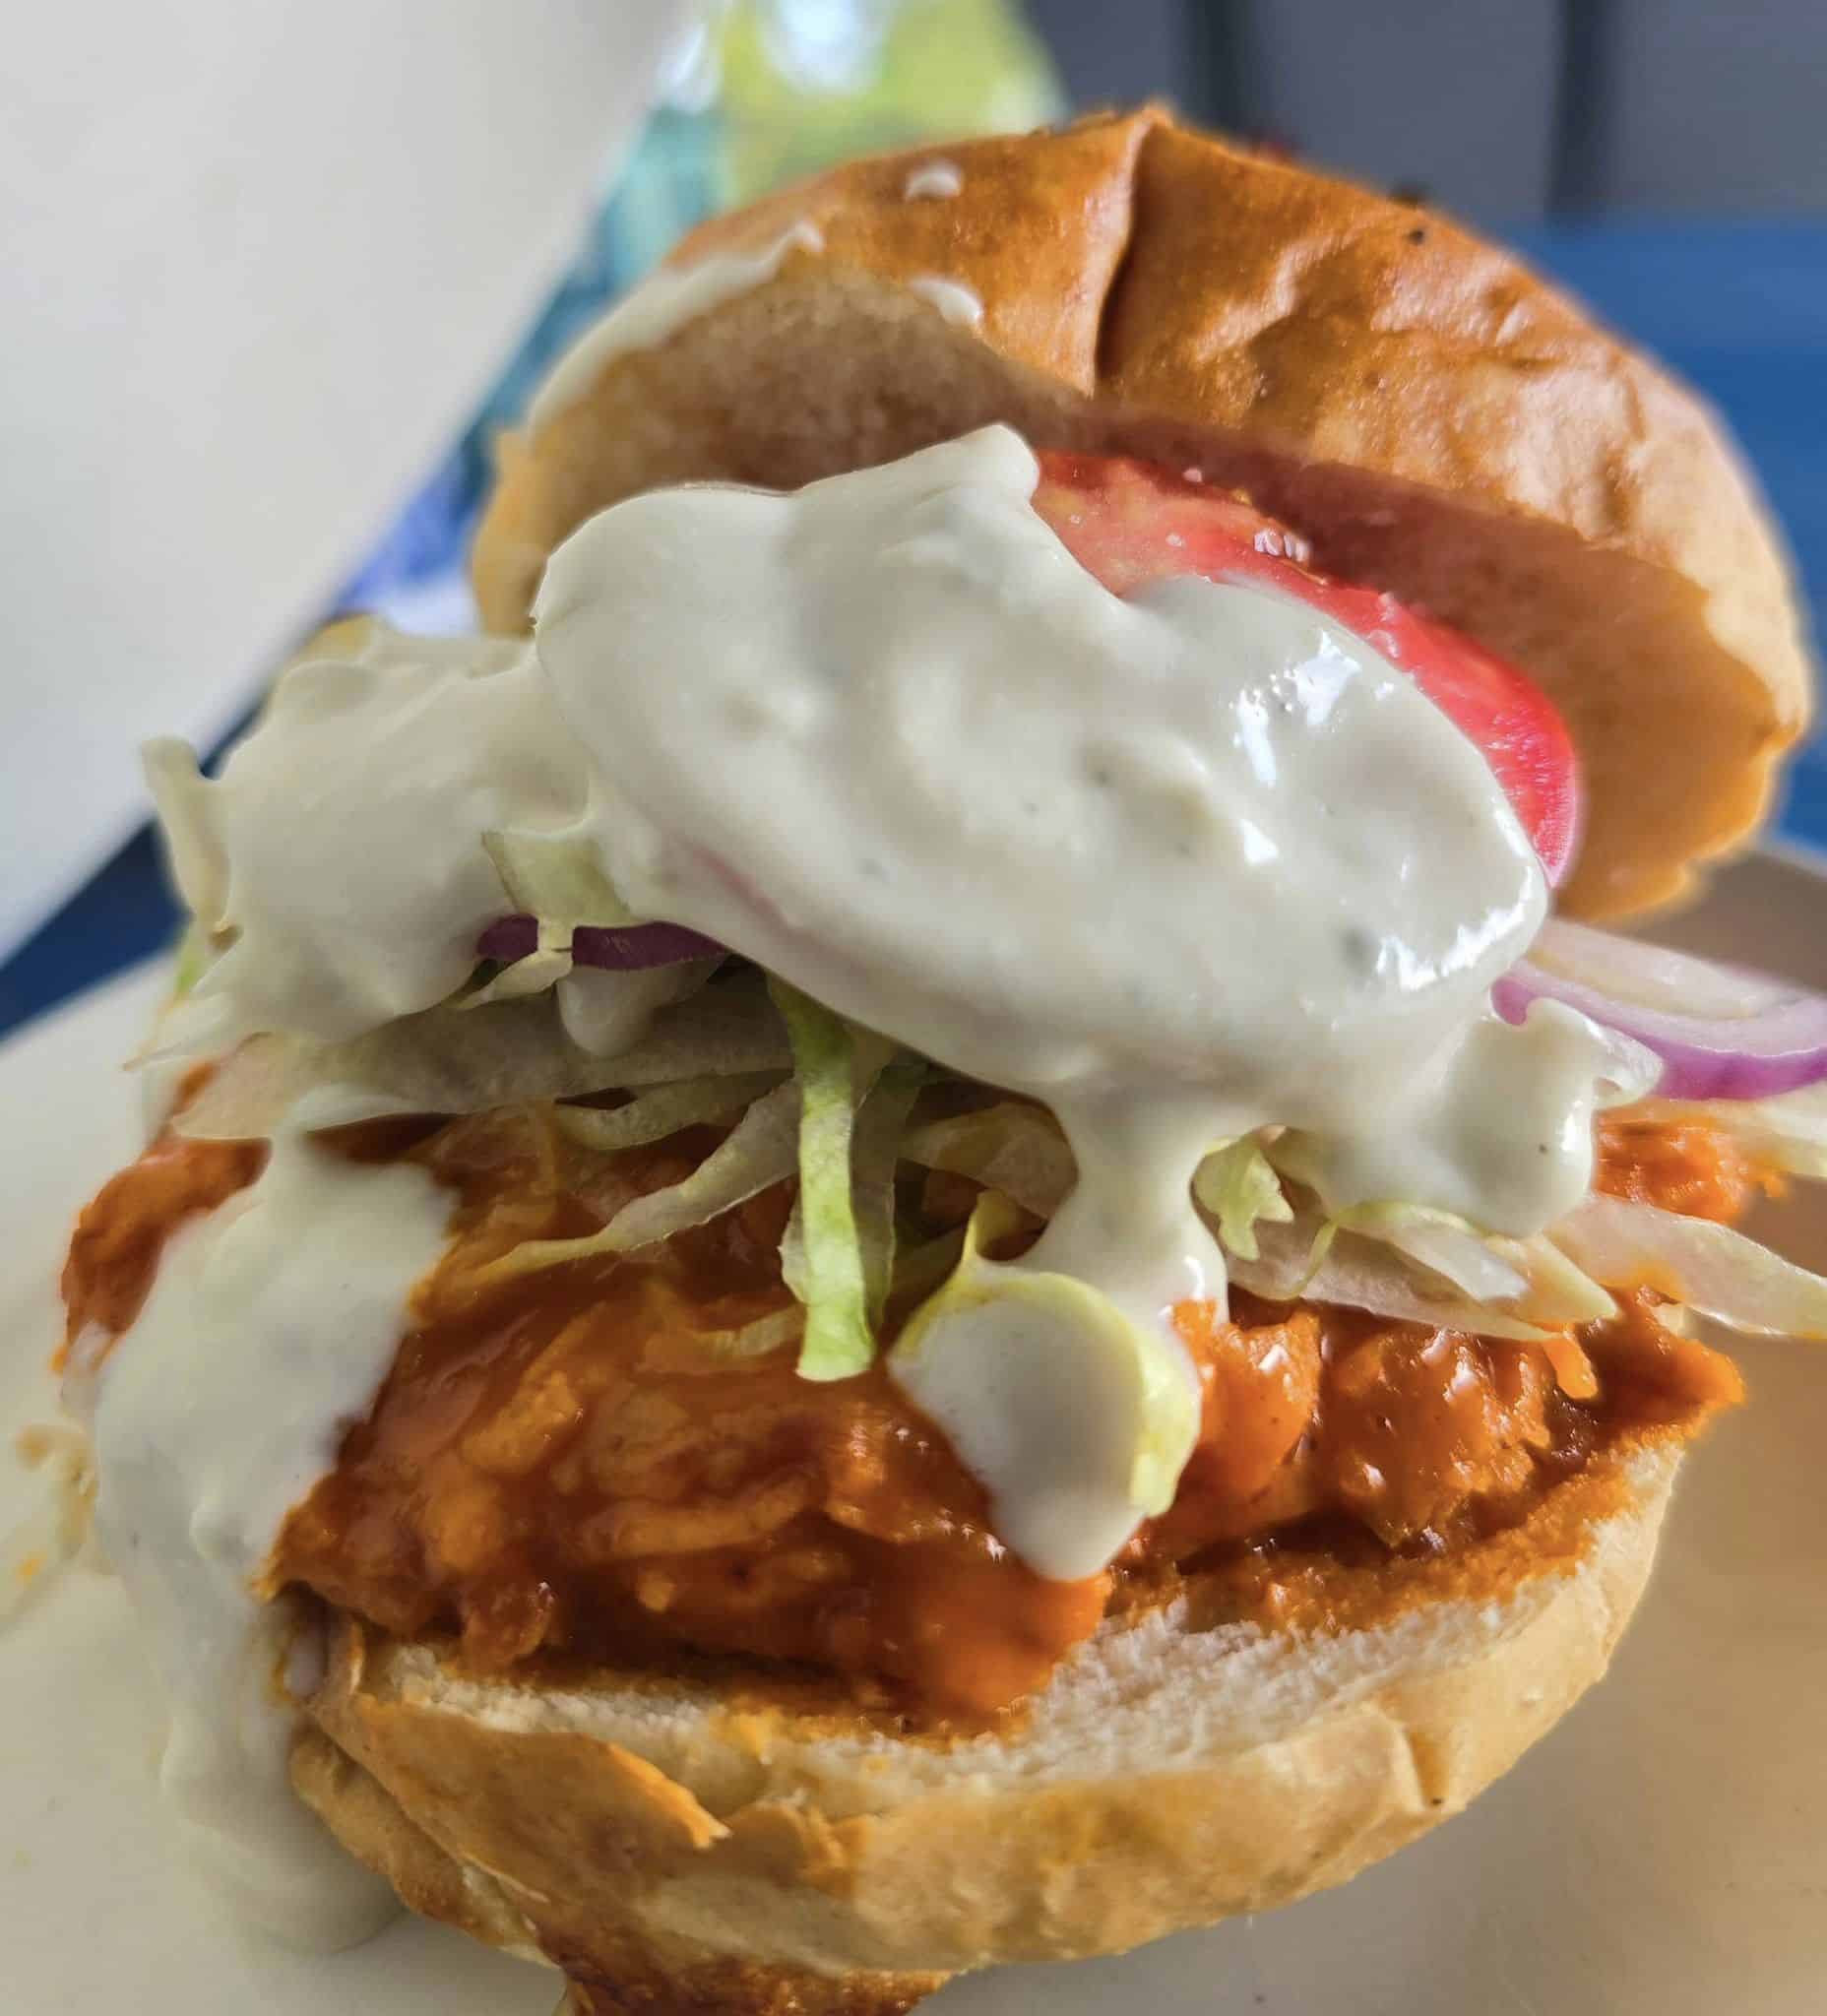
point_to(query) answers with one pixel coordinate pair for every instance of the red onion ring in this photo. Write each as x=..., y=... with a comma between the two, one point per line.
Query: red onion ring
x=612, y=948
x=1721, y=1031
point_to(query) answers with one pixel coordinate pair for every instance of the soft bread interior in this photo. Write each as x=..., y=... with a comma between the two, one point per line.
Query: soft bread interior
x=1170, y=1776
x=1431, y=417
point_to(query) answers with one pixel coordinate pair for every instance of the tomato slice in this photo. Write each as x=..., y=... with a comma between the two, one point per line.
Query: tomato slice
x=1130, y=522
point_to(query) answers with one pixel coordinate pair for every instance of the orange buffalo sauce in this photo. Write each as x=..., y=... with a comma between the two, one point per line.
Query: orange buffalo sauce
x=559, y=1463
x=119, y=1238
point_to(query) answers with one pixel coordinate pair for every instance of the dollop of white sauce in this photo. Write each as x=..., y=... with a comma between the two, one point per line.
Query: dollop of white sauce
x=1182, y=864
x=1079, y=1422
x=341, y=846
x=1195, y=847
x=607, y=1013
x=933, y=178
x=1455, y=1137
x=269, y=1328
x=665, y=302
x=953, y=299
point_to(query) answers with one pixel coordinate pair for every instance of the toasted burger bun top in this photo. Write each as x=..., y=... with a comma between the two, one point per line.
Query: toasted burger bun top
x=1431, y=415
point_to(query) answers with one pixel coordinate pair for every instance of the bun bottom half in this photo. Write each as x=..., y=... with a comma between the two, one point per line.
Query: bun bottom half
x=721, y=1844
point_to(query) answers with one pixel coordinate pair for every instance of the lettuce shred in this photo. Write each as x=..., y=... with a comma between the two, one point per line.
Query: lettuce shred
x=190, y=960
x=760, y=1150
x=445, y=1060
x=549, y=963
x=808, y=1095
x=1709, y=1267
x=1012, y=1147
x=1317, y=1257
x=875, y=1157
x=835, y=1069
x=555, y=877
x=1236, y=1185
x=757, y=1339
x=1445, y=1244
x=663, y=1110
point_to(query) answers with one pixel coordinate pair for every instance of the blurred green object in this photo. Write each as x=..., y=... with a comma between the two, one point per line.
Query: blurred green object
x=800, y=84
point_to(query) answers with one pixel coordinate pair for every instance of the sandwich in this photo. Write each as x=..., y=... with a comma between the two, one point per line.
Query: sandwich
x=928, y=1226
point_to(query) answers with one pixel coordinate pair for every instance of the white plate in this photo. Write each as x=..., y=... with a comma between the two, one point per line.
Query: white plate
x=1662, y=1854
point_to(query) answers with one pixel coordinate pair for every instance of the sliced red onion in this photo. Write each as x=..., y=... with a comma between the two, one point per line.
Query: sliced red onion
x=615, y=947
x=1721, y=1031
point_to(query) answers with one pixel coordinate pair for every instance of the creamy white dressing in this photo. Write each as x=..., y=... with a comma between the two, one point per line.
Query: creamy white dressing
x=958, y=303
x=268, y=1329
x=933, y=178
x=607, y=1013
x=1078, y=1419
x=1199, y=849
x=665, y=301
x=1183, y=866
x=341, y=847
x=1457, y=1138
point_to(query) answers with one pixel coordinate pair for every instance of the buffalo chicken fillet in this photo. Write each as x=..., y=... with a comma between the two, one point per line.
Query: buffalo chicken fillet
x=923, y=1237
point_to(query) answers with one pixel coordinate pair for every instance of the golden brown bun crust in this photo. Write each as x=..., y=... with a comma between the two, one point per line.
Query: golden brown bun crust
x=605, y=1978
x=641, y=1831
x=1434, y=417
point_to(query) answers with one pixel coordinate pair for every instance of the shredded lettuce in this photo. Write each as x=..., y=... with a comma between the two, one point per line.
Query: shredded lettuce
x=728, y=1028
x=920, y=1269
x=557, y=876
x=759, y=1151
x=755, y=1339
x=1011, y=1147
x=826, y=1270
x=1445, y=1244
x=608, y=1012
x=661, y=1110
x=1238, y=1186
x=1299, y=1259
x=508, y=1053
x=192, y=1027
x=1395, y=1260
x=1556, y=1292
x=557, y=879
x=1414, y=1266
x=544, y=967
x=875, y=1155
x=836, y=1122
x=191, y=959
x=1711, y=1268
